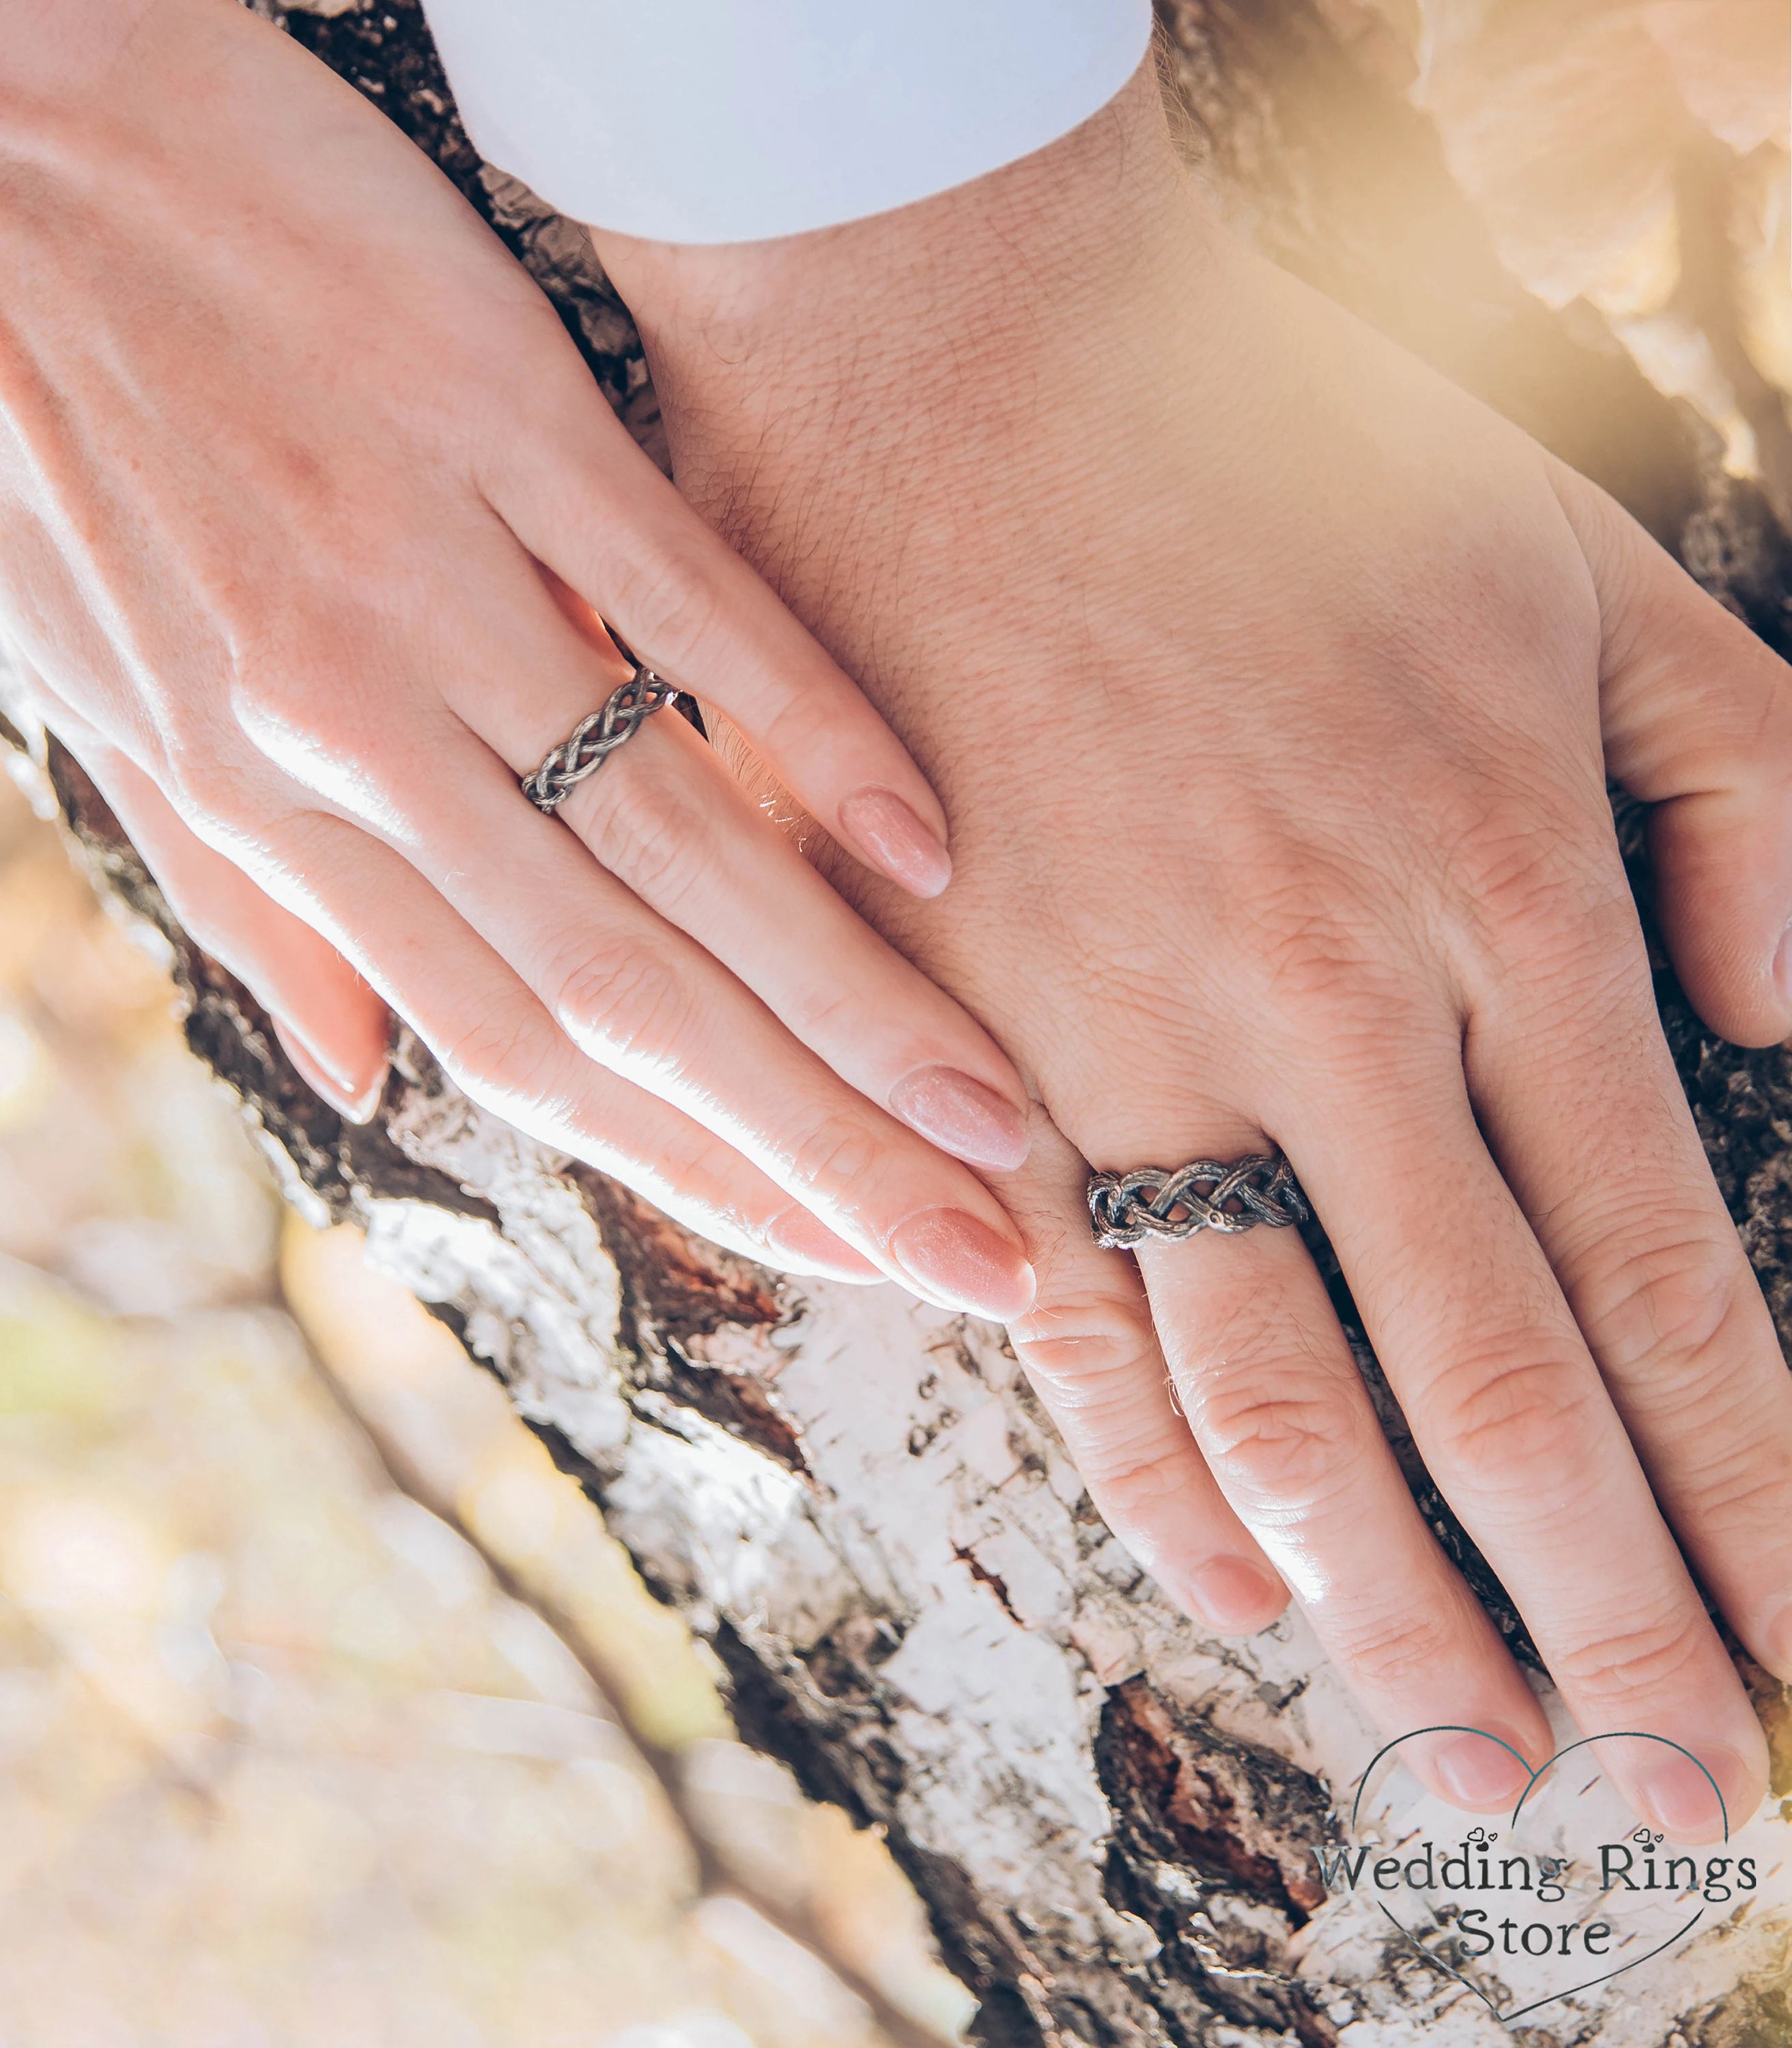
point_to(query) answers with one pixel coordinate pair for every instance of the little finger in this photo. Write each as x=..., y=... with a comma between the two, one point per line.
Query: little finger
x=648, y=1003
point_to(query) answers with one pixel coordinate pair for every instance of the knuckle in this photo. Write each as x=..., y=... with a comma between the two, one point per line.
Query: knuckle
x=289, y=705
x=1739, y=1479
x=802, y=724
x=1141, y=1488
x=1281, y=1432
x=630, y=998
x=829, y=1014
x=1079, y=1348
x=647, y=831
x=1543, y=887
x=1327, y=973
x=666, y=604
x=205, y=788
x=1640, y=1665
x=502, y=1059
x=312, y=718
x=1308, y=945
x=1395, y=1652
x=1500, y=1422
x=1095, y=1366
x=1675, y=1302
x=835, y=1155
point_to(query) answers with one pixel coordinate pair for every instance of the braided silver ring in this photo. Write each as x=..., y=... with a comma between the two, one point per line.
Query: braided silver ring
x=594, y=739
x=1204, y=1195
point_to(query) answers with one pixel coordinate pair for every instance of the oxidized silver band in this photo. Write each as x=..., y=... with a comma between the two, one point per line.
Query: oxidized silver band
x=594, y=739
x=1204, y=1195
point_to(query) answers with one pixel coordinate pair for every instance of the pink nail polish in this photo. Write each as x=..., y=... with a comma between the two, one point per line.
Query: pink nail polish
x=881, y=827
x=963, y=1116
x=1476, y=1772
x=958, y=1261
x=1676, y=1794
x=1230, y=1595
x=340, y=1094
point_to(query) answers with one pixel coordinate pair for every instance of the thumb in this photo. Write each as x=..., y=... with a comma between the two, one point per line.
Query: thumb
x=1697, y=713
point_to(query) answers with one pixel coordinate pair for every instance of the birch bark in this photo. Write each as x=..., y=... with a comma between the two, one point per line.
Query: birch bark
x=854, y=1498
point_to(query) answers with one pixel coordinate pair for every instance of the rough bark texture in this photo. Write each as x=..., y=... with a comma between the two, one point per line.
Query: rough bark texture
x=854, y=1498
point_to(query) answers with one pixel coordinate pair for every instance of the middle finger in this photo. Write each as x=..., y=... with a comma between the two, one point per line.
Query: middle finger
x=667, y=819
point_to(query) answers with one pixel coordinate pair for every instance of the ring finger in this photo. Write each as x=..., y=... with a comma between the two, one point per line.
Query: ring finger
x=1279, y=1409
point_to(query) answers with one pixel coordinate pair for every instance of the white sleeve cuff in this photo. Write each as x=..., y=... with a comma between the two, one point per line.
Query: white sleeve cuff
x=738, y=120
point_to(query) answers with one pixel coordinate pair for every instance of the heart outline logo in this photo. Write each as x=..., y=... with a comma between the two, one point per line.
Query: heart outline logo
x=1533, y=1778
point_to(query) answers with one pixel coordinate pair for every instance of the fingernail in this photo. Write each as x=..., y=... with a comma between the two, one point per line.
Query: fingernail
x=892, y=838
x=338, y=1093
x=1231, y=1595
x=1676, y=1794
x=807, y=1241
x=963, y=1115
x=1476, y=1772
x=1783, y=966
x=955, y=1260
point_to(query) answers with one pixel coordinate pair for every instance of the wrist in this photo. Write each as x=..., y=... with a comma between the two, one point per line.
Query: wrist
x=993, y=279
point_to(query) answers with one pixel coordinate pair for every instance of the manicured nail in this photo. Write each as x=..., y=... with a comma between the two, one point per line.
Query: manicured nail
x=960, y=1262
x=1232, y=1595
x=338, y=1093
x=1676, y=1794
x=807, y=1241
x=1476, y=1772
x=887, y=832
x=963, y=1116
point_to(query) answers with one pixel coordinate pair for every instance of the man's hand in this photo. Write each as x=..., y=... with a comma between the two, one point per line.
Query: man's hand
x=1262, y=674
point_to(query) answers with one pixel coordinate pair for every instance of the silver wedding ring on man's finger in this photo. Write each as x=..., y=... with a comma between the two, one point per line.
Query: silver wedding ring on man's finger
x=594, y=739
x=1207, y=1194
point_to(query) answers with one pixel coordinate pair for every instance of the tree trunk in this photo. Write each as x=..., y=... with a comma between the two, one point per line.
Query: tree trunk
x=854, y=1498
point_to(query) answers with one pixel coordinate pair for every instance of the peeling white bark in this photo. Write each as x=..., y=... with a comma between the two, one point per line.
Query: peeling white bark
x=938, y=1506
x=855, y=1499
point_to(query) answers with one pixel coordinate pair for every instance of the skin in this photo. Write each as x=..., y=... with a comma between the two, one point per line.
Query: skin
x=309, y=513
x=1271, y=685
x=1330, y=865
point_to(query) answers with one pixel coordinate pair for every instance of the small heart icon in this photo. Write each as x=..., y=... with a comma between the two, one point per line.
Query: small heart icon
x=1597, y=1902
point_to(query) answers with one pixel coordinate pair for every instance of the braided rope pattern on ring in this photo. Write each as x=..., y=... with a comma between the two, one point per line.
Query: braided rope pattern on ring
x=1206, y=1194
x=594, y=739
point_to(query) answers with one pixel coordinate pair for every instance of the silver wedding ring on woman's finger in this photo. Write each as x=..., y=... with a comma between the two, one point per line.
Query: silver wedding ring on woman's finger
x=594, y=739
x=1207, y=1194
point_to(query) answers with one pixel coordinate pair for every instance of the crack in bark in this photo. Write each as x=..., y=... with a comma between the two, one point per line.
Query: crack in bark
x=1204, y=1874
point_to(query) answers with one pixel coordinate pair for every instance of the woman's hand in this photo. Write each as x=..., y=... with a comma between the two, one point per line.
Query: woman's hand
x=1263, y=674
x=309, y=513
